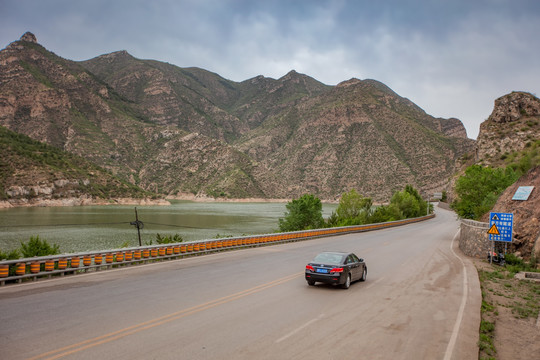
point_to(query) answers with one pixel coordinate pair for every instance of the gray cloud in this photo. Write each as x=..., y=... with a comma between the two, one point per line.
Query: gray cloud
x=453, y=59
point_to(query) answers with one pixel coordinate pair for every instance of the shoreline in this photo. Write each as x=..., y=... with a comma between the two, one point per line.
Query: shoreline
x=82, y=201
x=88, y=201
x=211, y=199
x=242, y=200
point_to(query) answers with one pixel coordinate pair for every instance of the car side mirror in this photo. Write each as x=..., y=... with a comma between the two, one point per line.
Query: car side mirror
x=361, y=260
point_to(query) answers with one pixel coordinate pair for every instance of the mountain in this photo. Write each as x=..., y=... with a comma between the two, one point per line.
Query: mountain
x=512, y=128
x=196, y=100
x=34, y=173
x=510, y=137
x=189, y=132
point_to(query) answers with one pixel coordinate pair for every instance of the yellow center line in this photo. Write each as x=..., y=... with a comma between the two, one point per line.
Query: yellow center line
x=115, y=335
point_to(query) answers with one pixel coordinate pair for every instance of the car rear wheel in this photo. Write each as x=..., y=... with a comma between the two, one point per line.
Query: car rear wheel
x=347, y=283
x=311, y=282
x=364, y=275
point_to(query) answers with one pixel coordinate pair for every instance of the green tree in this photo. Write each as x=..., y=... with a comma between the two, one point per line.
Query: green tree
x=404, y=204
x=386, y=213
x=38, y=247
x=352, y=204
x=444, y=196
x=353, y=209
x=479, y=188
x=407, y=204
x=302, y=213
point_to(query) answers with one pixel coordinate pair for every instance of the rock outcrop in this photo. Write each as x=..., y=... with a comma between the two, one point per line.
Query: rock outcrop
x=514, y=123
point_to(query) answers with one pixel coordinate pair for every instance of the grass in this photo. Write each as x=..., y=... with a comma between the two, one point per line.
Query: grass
x=486, y=342
x=503, y=298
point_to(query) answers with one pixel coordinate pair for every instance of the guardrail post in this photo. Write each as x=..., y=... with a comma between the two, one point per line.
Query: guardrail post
x=4, y=271
x=49, y=265
x=128, y=256
x=20, y=269
x=98, y=260
x=35, y=267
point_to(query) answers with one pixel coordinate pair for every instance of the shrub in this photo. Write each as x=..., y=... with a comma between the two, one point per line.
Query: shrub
x=37, y=247
x=168, y=239
x=11, y=255
x=353, y=209
x=479, y=188
x=386, y=213
x=303, y=213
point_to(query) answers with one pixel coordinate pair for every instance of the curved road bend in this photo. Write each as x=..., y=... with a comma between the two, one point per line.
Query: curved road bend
x=421, y=301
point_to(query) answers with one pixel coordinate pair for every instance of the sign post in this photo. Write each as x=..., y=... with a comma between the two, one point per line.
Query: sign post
x=501, y=226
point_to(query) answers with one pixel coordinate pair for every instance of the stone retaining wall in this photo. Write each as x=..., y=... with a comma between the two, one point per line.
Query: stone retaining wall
x=474, y=239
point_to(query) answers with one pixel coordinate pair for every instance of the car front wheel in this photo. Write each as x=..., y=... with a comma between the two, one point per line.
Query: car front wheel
x=347, y=283
x=364, y=275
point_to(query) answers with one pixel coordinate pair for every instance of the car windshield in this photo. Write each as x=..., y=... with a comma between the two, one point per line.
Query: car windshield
x=328, y=258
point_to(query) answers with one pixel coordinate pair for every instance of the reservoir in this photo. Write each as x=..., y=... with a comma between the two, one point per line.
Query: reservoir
x=91, y=228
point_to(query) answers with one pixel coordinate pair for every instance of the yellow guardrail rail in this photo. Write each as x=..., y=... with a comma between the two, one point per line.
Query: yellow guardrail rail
x=14, y=271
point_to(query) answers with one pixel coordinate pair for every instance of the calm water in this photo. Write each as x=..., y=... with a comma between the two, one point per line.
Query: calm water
x=86, y=228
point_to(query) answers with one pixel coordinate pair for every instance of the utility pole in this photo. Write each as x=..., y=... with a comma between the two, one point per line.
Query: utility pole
x=138, y=224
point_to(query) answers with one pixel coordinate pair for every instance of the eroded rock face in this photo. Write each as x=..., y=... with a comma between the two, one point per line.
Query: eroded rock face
x=28, y=36
x=514, y=123
x=514, y=106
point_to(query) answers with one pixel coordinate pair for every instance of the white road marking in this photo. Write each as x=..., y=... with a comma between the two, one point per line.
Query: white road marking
x=297, y=330
x=457, y=325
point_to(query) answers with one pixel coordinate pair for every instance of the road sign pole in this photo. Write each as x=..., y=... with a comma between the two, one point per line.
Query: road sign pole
x=492, y=250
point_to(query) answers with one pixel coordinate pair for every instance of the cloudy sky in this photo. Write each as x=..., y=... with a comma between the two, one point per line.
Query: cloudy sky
x=451, y=58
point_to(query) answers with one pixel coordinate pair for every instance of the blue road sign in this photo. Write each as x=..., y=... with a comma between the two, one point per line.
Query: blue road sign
x=501, y=226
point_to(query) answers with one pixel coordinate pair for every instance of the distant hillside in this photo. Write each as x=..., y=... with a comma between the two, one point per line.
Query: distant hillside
x=189, y=132
x=35, y=173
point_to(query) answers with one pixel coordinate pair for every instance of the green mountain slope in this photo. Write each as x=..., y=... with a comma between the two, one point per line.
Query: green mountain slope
x=33, y=170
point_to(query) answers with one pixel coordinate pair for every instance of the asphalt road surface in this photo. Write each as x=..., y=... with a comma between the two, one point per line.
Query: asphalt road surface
x=421, y=300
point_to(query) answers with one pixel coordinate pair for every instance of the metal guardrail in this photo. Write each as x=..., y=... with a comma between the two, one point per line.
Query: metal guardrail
x=13, y=271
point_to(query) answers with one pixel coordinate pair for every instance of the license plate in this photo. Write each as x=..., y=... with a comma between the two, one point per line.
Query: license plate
x=324, y=271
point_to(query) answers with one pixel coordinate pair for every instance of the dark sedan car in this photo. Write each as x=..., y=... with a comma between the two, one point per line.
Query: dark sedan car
x=336, y=268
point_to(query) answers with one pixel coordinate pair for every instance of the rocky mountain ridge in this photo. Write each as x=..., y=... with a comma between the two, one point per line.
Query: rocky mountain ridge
x=513, y=123
x=179, y=131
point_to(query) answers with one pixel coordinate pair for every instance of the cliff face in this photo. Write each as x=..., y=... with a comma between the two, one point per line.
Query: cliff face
x=510, y=136
x=184, y=131
x=514, y=123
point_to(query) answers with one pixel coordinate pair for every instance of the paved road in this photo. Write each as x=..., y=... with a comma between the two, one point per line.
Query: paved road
x=421, y=301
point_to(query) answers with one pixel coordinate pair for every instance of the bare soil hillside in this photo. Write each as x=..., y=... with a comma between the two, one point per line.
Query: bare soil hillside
x=526, y=215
